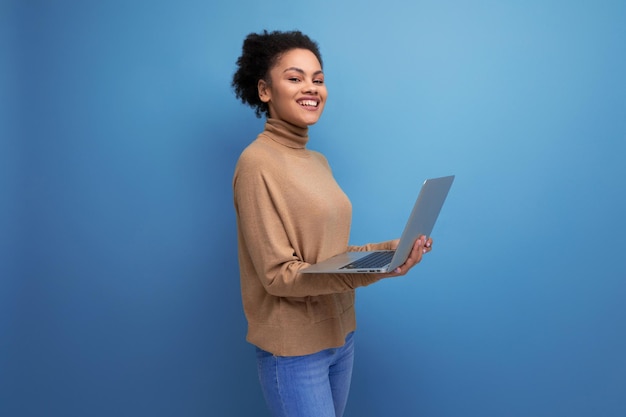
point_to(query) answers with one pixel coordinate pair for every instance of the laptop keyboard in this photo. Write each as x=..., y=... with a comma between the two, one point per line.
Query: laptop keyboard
x=373, y=260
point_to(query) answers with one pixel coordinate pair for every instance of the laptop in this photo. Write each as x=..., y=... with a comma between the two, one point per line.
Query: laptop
x=421, y=222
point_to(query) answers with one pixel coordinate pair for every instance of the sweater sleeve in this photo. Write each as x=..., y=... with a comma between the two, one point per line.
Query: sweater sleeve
x=268, y=251
x=387, y=245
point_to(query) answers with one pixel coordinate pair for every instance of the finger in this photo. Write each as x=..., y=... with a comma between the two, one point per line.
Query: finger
x=416, y=254
x=414, y=257
x=427, y=245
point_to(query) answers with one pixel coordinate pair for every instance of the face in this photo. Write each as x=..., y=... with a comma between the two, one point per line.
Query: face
x=297, y=92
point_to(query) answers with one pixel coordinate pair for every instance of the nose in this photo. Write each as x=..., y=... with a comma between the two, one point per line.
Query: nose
x=310, y=87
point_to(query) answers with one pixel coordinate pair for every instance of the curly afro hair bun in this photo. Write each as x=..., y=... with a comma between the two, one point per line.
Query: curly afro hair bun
x=259, y=54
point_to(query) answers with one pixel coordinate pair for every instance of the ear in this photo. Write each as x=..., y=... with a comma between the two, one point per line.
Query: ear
x=264, y=91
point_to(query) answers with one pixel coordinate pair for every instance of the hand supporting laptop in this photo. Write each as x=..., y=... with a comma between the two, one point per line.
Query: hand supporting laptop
x=421, y=246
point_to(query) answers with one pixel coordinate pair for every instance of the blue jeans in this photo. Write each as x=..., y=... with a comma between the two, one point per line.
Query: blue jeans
x=315, y=385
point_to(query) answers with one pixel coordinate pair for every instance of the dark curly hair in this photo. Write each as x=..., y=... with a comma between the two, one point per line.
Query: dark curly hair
x=260, y=52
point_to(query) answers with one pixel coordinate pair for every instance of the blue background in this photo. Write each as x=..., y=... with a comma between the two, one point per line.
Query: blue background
x=119, y=292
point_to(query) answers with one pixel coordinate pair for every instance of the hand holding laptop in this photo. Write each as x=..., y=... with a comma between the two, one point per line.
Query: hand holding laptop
x=422, y=246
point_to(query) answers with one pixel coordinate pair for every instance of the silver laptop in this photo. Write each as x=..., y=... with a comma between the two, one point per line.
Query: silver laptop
x=421, y=222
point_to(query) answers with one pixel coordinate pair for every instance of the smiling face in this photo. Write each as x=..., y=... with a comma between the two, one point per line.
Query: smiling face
x=296, y=93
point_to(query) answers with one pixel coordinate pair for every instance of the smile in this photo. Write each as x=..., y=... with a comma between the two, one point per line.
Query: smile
x=308, y=103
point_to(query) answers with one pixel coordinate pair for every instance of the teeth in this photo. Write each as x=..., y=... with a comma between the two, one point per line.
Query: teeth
x=311, y=103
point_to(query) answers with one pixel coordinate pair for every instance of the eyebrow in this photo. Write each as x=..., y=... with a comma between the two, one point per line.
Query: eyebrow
x=301, y=71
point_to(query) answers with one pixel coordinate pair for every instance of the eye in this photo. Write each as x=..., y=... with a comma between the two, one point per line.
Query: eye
x=319, y=81
x=294, y=79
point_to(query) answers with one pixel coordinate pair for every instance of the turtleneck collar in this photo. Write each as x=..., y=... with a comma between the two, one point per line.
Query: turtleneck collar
x=286, y=134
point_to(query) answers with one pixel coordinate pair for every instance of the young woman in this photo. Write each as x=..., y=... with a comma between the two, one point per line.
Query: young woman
x=291, y=213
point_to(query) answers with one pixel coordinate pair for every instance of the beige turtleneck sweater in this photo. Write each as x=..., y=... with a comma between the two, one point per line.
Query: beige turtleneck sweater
x=291, y=213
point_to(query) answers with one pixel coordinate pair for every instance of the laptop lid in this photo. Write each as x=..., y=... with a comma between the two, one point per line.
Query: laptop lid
x=423, y=216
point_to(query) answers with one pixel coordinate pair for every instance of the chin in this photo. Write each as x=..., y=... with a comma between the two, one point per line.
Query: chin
x=312, y=120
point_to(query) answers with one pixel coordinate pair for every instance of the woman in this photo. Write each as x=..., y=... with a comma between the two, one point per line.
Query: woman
x=291, y=213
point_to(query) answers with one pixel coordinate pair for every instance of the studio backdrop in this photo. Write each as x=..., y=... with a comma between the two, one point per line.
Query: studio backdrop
x=119, y=293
